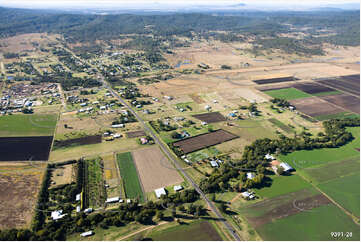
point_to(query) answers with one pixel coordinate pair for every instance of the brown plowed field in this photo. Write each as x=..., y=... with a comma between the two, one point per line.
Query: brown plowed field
x=93, y=139
x=135, y=134
x=291, y=208
x=345, y=101
x=210, y=117
x=345, y=86
x=276, y=80
x=312, y=88
x=154, y=169
x=204, y=140
x=314, y=106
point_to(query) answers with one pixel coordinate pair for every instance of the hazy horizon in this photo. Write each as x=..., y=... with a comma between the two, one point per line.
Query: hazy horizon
x=165, y=4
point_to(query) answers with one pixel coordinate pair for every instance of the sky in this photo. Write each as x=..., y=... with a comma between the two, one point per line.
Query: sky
x=125, y=3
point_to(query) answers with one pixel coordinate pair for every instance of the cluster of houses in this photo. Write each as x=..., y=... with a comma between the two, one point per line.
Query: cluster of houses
x=22, y=95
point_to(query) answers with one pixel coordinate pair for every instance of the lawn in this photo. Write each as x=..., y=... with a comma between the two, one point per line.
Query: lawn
x=307, y=158
x=326, y=172
x=27, y=125
x=345, y=191
x=196, y=231
x=282, y=185
x=129, y=174
x=287, y=93
x=203, y=154
x=316, y=224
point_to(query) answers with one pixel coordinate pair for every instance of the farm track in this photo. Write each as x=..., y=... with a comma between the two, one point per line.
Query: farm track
x=168, y=153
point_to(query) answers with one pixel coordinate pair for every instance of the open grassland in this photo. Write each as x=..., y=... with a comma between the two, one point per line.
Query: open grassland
x=129, y=174
x=62, y=175
x=283, y=185
x=308, y=158
x=315, y=224
x=195, y=231
x=326, y=172
x=19, y=186
x=345, y=191
x=287, y=93
x=118, y=145
x=27, y=125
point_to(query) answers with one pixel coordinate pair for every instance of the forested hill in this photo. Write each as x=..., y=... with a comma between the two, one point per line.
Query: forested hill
x=81, y=27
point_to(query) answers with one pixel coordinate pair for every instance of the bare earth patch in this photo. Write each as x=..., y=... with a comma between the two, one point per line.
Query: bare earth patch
x=154, y=169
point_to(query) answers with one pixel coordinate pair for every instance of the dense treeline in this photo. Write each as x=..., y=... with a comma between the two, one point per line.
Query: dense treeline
x=84, y=28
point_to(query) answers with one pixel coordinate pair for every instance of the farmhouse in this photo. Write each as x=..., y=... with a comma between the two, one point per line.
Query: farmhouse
x=269, y=157
x=88, y=233
x=117, y=125
x=88, y=210
x=214, y=163
x=160, y=191
x=286, y=167
x=112, y=200
x=247, y=195
x=143, y=141
x=250, y=175
x=78, y=209
x=177, y=188
x=77, y=197
x=58, y=214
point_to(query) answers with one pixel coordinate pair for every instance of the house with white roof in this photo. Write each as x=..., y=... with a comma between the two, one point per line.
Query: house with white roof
x=286, y=167
x=160, y=191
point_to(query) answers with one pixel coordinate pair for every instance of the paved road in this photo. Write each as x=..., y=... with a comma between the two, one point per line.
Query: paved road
x=171, y=157
x=174, y=160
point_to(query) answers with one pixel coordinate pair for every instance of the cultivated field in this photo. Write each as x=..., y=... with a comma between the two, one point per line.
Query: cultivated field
x=195, y=231
x=155, y=171
x=35, y=148
x=204, y=140
x=314, y=107
x=287, y=93
x=306, y=213
x=210, y=117
x=345, y=101
x=329, y=171
x=275, y=80
x=128, y=172
x=135, y=134
x=345, y=191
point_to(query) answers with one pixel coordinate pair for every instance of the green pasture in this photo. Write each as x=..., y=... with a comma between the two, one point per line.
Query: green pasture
x=316, y=224
x=308, y=158
x=345, y=191
x=287, y=93
x=128, y=172
x=326, y=172
x=282, y=185
x=27, y=125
